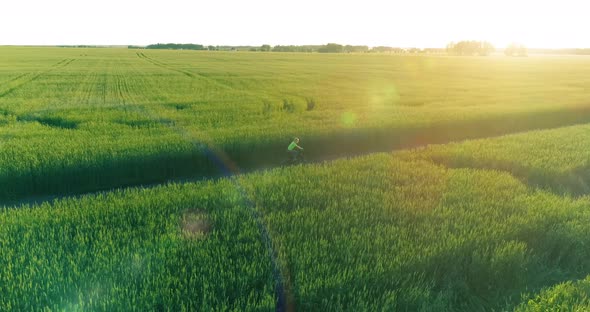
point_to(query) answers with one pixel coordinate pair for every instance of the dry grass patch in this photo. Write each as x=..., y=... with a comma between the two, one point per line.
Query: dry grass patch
x=195, y=224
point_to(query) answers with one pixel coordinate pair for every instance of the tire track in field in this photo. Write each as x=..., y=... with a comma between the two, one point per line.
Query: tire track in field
x=61, y=64
x=163, y=65
x=132, y=81
x=124, y=86
x=121, y=89
x=103, y=87
x=88, y=88
x=187, y=73
x=84, y=88
x=84, y=92
x=128, y=99
x=19, y=84
x=15, y=78
x=93, y=93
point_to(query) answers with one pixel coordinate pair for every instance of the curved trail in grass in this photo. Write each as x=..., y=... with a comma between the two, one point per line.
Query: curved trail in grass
x=39, y=199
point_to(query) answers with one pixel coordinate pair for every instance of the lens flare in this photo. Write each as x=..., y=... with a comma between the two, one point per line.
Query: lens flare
x=384, y=96
x=348, y=119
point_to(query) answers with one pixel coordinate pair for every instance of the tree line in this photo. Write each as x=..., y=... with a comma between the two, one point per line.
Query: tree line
x=459, y=48
x=327, y=48
x=470, y=48
x=515, y=49
x=176, y=46
x=465, y=48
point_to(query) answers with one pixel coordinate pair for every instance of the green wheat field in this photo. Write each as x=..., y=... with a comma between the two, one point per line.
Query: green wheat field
x=151, y=180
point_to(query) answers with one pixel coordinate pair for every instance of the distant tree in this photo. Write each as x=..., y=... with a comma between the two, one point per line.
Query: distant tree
x=279, y=48
x=382, y=49
x=515, y=49
x=292, y=48
x=211, y=48
x=387, y=49
x=510, y=50
x=265, y=48
x=355, y=49
x=470, y=48
x=451, y=48
x=464, y=48
x=434, y=51
x=176, y=46
x=331, y=48
x=486, y=48
x=522, y=51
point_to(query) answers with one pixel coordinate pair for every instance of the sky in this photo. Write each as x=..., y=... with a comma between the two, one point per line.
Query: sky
x=408, y=23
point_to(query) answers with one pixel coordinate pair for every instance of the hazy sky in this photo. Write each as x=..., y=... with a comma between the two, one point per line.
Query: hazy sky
x=407, y=23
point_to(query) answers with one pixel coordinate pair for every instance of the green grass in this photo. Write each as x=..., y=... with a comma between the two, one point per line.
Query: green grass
x=567, y=296
x=369, y=233
x=74, y=120
x=557, y=160
x=479, y=225
x=128, y=251
x=377, y=233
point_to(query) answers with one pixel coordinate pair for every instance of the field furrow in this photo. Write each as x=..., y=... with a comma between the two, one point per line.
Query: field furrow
x=217, y=82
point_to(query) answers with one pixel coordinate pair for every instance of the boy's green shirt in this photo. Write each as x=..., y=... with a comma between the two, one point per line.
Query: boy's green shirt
x=292, y=146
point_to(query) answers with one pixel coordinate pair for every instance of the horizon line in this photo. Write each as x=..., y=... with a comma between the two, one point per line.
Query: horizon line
x=230, y=45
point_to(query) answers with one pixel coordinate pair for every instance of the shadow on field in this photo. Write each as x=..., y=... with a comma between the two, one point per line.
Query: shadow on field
x=204, y=161
x=355, y=142
x=51, y=121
